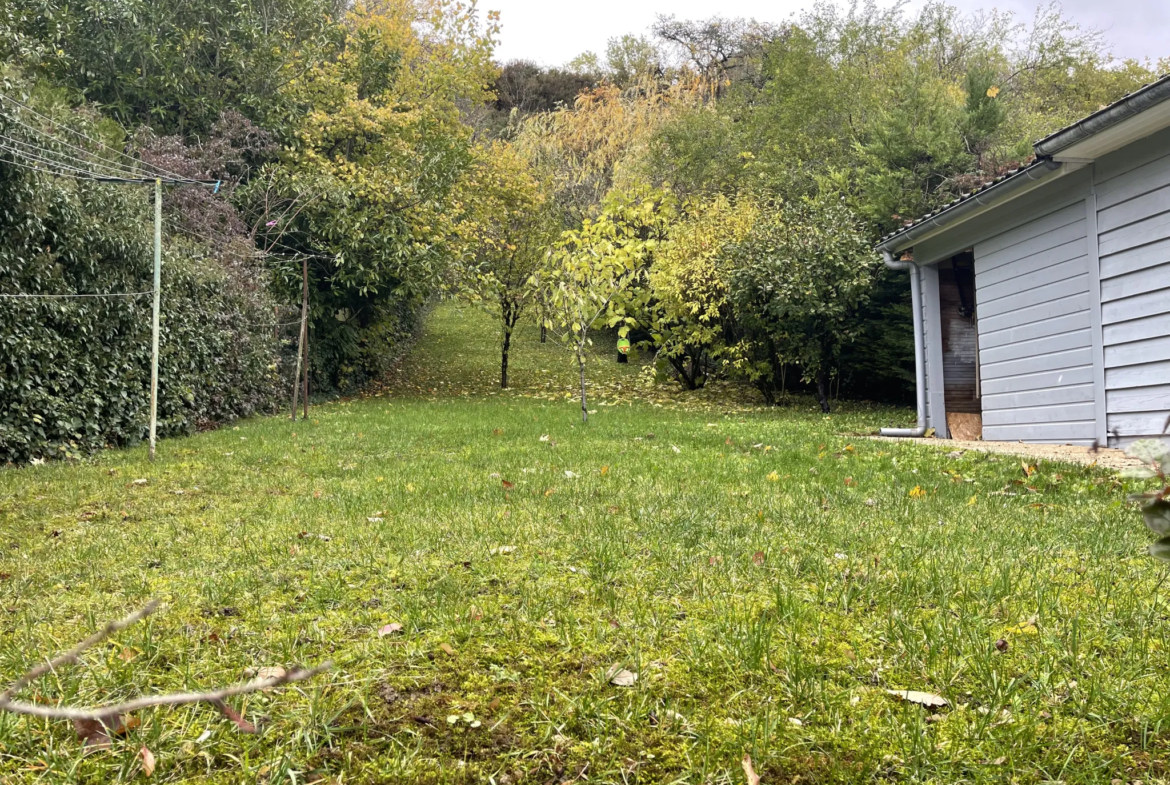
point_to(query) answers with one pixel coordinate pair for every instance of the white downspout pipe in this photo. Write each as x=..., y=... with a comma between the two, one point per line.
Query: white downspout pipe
x=919, y=347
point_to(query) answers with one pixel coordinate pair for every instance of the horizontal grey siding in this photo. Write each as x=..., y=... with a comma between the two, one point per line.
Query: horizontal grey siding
x=1133, y=215
x=1035, y=330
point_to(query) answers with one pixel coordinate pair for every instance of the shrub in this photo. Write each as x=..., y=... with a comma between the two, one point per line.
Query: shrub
x=75, y=372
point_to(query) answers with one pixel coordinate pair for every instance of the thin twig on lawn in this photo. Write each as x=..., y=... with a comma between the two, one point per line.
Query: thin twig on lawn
x=102, y=713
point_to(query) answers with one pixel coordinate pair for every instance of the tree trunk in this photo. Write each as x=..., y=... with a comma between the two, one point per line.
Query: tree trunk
x=504, y=356
x=823, y=389
x=543, y=333
x=680, y=366
x=581, y=366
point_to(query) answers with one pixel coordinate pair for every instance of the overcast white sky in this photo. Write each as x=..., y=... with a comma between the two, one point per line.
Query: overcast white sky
x=555, y=31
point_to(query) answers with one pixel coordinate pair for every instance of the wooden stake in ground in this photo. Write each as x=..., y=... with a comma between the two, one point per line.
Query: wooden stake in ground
x=305, y=327
x=302, y=341
x=155, y=315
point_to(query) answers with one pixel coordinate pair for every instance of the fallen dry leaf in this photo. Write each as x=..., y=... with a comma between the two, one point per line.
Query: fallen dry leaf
x=273, y=672
x=927, y=699
x=508, y=486
x=446, y=647
x=749, y=771
x=127, y=654
x=96, y=734
x=390, y=629
x=148, y=761
x=620, y=677
x=758, y=558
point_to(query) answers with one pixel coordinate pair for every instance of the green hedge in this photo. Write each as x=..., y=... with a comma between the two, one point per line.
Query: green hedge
x=74, y=372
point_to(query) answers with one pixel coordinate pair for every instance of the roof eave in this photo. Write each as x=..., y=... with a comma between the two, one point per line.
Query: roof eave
x=964, y=209
x=1113, y=115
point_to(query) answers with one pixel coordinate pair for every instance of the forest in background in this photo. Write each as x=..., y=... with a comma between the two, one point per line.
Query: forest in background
x=710, y=189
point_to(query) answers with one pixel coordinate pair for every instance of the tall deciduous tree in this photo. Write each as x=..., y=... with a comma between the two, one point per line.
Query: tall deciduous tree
x=370, y=188
x=176, y=65
x=505, y=236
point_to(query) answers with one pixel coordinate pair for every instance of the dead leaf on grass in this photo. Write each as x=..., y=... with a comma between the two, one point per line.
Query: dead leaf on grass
x=758, y=558
x=148, y=761
x=127, y=654
x=271, y=672
x=928, y=699
x=620, y=677
x=446, y=647
x=508, y=486
x=749, y=771
x=97, y=734
x=392, y=628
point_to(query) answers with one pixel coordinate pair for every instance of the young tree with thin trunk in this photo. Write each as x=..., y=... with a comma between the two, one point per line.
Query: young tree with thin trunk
x=595, y=265
x=505, y=235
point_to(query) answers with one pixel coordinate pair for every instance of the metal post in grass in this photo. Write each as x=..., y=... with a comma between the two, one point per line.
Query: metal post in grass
x=155, y=315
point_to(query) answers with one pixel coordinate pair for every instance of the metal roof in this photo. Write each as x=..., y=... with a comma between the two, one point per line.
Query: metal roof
x=1116, y=112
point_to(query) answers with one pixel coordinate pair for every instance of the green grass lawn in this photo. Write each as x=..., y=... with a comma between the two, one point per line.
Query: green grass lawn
x=767, y=573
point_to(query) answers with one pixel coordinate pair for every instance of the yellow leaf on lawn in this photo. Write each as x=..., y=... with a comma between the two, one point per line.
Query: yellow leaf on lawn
x=774, y=477
x=916, y=492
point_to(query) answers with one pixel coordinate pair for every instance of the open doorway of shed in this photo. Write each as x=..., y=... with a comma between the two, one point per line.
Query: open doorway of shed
x=960, y=347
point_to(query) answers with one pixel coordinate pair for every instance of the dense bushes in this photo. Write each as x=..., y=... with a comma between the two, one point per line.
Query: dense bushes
x=75, y=372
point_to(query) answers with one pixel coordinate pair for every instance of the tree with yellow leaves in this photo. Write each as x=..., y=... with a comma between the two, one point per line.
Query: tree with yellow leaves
x=371, y=185
x=592, y=267
x=505, y=235
x=685, y=304
x=601, y=142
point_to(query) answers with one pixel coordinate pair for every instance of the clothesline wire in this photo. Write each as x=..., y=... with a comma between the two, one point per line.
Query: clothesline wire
x=34, y=149
x=69, y=296
x=90, y=139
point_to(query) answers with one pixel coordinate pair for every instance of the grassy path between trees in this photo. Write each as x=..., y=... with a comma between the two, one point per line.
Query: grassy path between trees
x=766, y=575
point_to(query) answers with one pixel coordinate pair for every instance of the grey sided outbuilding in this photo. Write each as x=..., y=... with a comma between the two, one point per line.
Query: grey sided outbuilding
x=1042, y=300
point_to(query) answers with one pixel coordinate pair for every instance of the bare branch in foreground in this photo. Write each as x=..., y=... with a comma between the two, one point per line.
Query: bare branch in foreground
x=103, y=714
